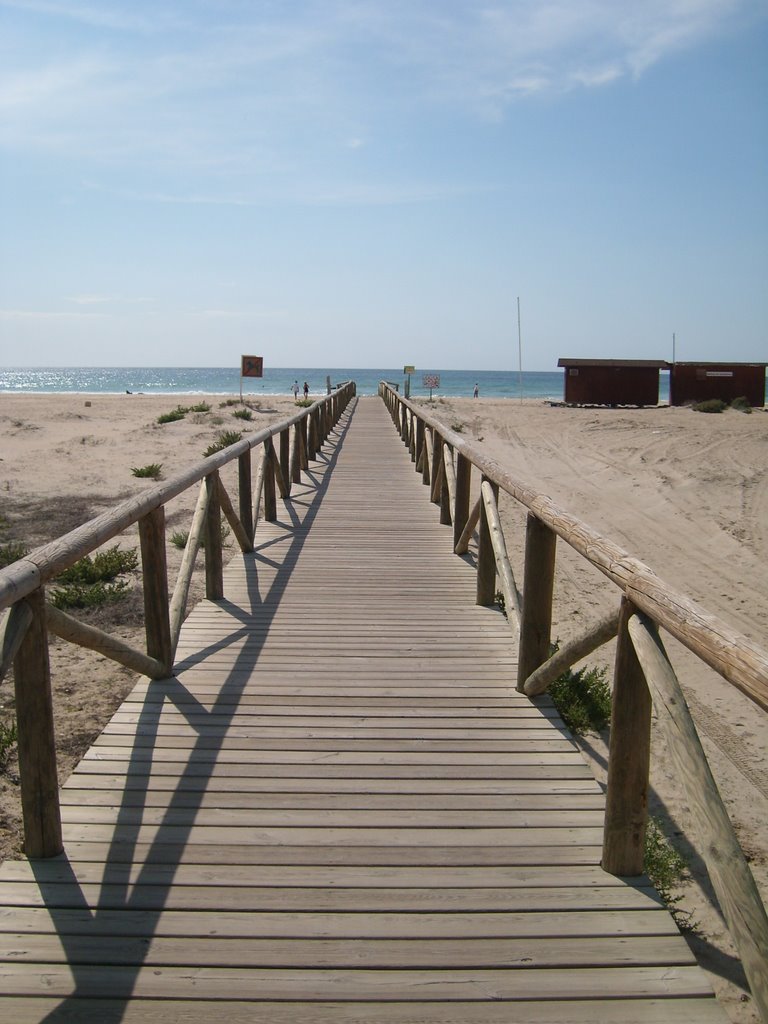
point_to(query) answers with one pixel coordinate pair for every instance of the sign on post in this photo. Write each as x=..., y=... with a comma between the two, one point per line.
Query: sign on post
x=431, y=380
x=408, y=370
x=250, y=366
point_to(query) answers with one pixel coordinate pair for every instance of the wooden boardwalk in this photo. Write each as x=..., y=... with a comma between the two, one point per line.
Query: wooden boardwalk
x=340, y=809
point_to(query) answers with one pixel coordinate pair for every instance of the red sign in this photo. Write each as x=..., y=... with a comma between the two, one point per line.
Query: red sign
x=252, y=366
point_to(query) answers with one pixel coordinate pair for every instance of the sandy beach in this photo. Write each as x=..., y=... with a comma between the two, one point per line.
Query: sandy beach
x=684, y=492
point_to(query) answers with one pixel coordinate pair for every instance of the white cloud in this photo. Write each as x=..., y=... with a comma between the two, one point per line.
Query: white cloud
x=237, y=88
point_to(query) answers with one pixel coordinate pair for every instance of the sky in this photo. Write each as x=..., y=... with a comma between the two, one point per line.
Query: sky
x=376, y=182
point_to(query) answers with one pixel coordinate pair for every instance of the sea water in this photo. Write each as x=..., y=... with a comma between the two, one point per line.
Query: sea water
x=218, y=380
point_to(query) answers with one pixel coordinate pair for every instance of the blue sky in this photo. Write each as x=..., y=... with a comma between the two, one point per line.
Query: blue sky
x=375, y=182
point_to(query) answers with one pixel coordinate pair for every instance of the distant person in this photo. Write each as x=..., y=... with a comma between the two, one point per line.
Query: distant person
x=476, y=392
x=306, y=391
x=295, y=390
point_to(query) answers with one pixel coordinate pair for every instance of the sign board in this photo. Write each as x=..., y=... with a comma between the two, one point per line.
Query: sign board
x=431, y=380
x=409, y=369
x=251, y=366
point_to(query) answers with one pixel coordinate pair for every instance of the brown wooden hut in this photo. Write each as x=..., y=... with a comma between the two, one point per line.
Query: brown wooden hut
x=698, y=382
x=612, y=381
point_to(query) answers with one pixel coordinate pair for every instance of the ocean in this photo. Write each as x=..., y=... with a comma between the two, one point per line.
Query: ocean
x=218, y=380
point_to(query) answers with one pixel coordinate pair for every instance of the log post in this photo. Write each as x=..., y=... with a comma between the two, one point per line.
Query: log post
x=538, y=587
x=420, y=437
x=285, y=459
x=447, y=479
x=462, y=545
x=312, y=443
x=461, y=504
x=304, y=427
x=270, y=498
x=732, y=880
x=214, y=563
x=36, y=742
x=437, y=466
x=244, y=495
x=296, y=454
x=157, y=619
x=412, y=448
x=486, y=560
x=626, y=802
x=503, y=568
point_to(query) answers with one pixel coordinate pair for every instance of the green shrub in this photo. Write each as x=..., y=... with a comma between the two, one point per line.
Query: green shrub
x=151, y=471
x=741, y=404
x=179, y=538
x=583, y=699
x=224, y=439
x=88, y=595
x=665, y=866
x=176, y=414
x=200, y=407
x=711, y=405
x=11, y=552
x=229, y=401
x=305, y=402
x=8, y=737
x=104, y=566
x=243, y=414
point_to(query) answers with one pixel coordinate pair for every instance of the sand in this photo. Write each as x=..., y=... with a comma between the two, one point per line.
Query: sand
x=684, y=492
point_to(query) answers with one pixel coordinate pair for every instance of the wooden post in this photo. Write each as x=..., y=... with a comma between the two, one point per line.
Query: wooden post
x=732, y=880
x=312, y=443
x=304, y=425
x=270, y=499
x=214, y=564
x=296, y=454
x=285, y=459
x=486, y=560
x=157, y=619
x=461, y=504
x=546, y=673
x=437, y=465
x=538, y=586
x=244, y=493
x=412, y=447
x=36, y=742
x=626, y=802
x=446, y=466
x=420, y=432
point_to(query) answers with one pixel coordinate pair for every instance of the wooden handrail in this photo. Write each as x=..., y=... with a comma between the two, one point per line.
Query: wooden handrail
x=44, y=563
x=737, y=658
x=24, y=629
x=642, y=676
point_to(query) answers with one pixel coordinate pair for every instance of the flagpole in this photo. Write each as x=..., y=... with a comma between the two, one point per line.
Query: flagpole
x=519, y=351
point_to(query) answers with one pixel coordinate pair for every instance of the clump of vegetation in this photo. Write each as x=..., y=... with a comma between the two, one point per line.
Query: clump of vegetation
x=179, y=538
x=175, y=414
x=711, y=405
x=243, y=414
x=12, y=551
x=305, y=402
x=224, y=439
x=8, y=737
x=93, y=595
x=151, y=471
x=741, y=404
x=583, y=699
x=457, y=428
x=91, y=582
x=229, y=401
x=667, y=868
x=200, y=407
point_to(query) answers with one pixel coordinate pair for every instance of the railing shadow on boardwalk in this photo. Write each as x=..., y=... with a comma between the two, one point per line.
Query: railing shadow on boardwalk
x=117, y=884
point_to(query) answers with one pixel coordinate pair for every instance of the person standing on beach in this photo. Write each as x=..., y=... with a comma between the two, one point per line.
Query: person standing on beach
x=306, y=391
x=295, y=390
x=476, y=392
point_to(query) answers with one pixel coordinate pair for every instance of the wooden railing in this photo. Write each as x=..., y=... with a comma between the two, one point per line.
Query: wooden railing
x=643, y=674
x=29, y=618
